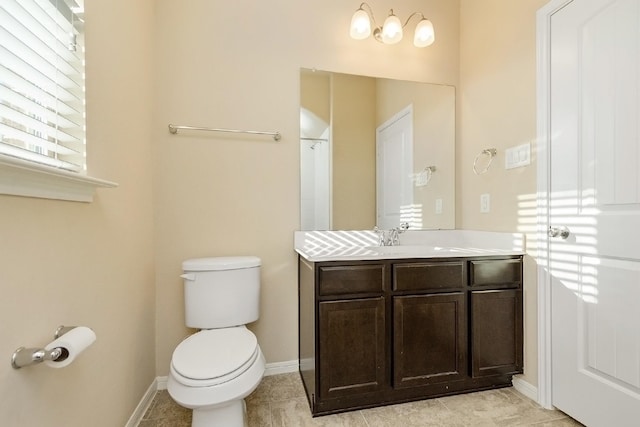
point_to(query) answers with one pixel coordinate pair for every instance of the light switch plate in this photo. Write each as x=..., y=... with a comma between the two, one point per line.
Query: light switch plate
x=438, y=206
x=516, y=157
x=485, y=203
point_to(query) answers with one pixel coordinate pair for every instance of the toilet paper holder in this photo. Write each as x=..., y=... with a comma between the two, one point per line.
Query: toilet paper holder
x=30, y=356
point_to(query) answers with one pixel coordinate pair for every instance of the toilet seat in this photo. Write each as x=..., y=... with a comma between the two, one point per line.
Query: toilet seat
x=214, y=356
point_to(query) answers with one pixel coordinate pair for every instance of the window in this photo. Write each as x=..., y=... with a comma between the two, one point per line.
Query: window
x=42, y=82
x=42, y=99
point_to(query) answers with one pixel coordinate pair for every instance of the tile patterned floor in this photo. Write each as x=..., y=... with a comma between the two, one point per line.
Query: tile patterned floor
x=279, y=401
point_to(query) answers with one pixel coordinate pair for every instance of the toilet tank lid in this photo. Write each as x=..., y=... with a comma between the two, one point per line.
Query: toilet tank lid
x=220, y=263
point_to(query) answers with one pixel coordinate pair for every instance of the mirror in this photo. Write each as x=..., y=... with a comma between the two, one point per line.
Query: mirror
x=375, y=151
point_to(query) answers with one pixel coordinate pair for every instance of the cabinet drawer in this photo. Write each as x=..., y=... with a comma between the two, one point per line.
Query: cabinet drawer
x=351, y=279
x=496, y=273
x=425, y=276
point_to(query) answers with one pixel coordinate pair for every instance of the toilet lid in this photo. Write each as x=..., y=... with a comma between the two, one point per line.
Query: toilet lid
x=214, y=353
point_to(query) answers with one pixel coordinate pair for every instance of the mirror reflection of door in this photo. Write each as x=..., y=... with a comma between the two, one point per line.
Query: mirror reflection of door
x=394, y=164
x=354, y=107
x=315, y=172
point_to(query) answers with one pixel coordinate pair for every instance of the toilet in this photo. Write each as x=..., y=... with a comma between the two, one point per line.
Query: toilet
x=213, y=370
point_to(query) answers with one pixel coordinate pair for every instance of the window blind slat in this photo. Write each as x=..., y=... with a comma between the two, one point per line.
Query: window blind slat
x=56, y=15
x=35, y=76
x=31, y=41
x=23, y=139
x=18, y=100
x=30, y=91
x=24, y=21
x=50, y=70
x=34, y=17
x=35, y=125
x=21, y=153
x=36, y=8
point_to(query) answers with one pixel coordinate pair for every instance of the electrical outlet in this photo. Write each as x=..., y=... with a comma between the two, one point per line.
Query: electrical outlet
x=485, y=203
x=438, y=206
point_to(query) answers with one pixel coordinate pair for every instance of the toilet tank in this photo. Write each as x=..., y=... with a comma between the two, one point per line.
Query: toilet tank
x=221, y=292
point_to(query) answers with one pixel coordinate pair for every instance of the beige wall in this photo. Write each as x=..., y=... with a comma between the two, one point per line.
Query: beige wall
x=315, y=93
x=88, y=264
x=353, y=123
x=222, y=195
x=496, y=109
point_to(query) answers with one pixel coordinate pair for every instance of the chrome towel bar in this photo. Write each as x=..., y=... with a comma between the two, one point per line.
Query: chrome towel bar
x=174, y=129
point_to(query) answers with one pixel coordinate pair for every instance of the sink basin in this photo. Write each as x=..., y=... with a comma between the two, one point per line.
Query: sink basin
x=411, y=249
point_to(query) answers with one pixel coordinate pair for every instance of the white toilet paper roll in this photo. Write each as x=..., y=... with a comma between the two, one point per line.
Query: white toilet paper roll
x=73, y=343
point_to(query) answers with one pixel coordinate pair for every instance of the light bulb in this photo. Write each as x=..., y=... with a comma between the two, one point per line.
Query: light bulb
x=425, y=35
x=392, y=29
x=360, y=25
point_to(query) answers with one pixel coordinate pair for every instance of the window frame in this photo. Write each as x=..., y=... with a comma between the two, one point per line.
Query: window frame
x=24, y=178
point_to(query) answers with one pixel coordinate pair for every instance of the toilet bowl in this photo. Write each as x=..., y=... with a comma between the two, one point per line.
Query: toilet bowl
x=213, y=370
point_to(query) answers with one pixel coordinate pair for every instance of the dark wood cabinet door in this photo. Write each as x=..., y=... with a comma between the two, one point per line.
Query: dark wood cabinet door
x=352, y=342
x=430, y=339
x=496, y=330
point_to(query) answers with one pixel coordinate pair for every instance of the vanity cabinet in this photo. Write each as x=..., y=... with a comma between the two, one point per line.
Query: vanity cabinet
x=383, y=331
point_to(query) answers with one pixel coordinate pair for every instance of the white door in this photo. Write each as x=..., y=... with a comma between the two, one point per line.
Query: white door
x=595, y=193
x=394, y=166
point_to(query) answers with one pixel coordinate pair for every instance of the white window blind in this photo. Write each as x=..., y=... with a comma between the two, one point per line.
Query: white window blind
x=42, y=91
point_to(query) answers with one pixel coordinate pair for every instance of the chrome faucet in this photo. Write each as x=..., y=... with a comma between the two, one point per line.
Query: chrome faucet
x=390, y=237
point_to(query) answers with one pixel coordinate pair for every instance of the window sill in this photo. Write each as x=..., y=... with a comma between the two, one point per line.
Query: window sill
x=23, y=178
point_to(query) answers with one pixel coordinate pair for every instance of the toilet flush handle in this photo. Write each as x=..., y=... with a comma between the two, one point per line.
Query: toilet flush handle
x=188, y=276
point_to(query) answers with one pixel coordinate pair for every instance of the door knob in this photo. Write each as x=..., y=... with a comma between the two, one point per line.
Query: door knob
x=561, y=231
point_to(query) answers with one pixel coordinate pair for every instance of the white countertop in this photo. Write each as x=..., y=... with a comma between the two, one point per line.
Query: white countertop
x=318, y=246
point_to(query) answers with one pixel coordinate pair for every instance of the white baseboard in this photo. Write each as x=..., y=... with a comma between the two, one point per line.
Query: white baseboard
x=144, y=404
x=525, y=388
x=162, y=382
x=281, y=367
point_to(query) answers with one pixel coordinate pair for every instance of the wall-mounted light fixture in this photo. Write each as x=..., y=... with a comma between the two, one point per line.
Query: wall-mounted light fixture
x=391, y=31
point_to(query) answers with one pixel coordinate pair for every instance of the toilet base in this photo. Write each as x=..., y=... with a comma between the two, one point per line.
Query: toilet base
x=233, y=414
